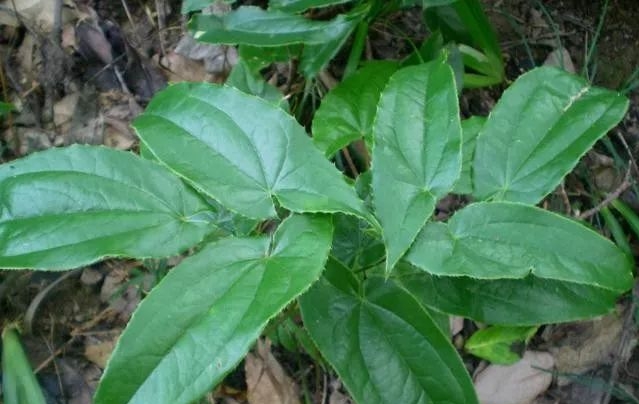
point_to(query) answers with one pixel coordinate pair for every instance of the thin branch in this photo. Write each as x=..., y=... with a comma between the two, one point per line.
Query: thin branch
x=625, y=184
x=630, y=154
x=349, y=161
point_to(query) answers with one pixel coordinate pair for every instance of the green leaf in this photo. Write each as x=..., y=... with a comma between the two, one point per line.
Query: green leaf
x=429, y=50
x=200, y=321
x=227, y=223
x=436, y=3
x=478, y=61
x=385, y=347
x=500, y=344
x=356, y=244
x=254, y=26
x=258, y=57
x=294, y=337
x=470, y=130
x=347, y=112
x=243, y=152
x=296, y=6
x=502, y=240
x=316, y=57
x=63, y=208
x=19, y=384
x=465, y=23
x=194, y=5
x=244, y=80
x=538, y=131
x=5, y=108
x=507, y=301
x=480, y=30
x=417, y=153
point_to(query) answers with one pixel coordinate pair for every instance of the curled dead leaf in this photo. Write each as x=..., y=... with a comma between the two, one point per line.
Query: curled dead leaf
x=518, y=383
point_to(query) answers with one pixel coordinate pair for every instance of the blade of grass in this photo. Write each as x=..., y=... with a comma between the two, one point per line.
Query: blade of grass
x=631, y=83
x=517, y=27
x=628, y=214
x=616, y=230
x=555, y=30
x=359, y=41
x=593, y=44
x=19, y=383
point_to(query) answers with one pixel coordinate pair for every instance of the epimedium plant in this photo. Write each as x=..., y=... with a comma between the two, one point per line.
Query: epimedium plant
x=372, y=272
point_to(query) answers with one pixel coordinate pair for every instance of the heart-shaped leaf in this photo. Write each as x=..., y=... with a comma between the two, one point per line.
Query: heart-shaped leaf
x=465, y=266
x=347, y=112
x=503, y=240
x=64, y=208
x=537, y=132
x=417, y=152
x=385, y=347
x=507, y=301
x=243, y=152
x=200, y=321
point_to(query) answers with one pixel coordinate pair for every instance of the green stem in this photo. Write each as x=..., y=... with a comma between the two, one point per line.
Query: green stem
x=358, y=47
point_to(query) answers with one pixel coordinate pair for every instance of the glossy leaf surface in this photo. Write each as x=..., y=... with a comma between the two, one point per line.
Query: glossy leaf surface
x=417, y=153
x=64, y=208
x=200, y=321
x=502, y=240
x=254, y=26
x=470, y=131
x=538, y=131
x=500, y=344
x=243, y=152
x=348, y=111
x=295, y=6
x=507, y=301
x=19, y=384
x=382, y=343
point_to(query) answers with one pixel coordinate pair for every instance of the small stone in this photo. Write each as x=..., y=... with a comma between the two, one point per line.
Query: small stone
x=91, y=277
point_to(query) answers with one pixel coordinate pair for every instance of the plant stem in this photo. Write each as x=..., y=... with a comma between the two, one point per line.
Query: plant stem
x=358, y=47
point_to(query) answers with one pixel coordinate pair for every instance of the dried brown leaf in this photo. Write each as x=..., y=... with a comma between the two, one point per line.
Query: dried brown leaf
x=519, y=383
x=266, y=380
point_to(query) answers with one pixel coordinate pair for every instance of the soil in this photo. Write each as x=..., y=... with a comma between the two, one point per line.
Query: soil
x=74, y=324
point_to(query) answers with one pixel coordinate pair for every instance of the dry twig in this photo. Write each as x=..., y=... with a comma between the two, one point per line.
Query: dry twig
x=625, y=184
